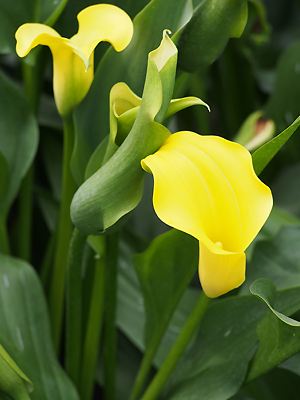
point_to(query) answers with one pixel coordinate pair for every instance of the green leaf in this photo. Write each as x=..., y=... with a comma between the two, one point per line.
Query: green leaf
x=92, y=116
x=277, y=258
x=210, y=369
x=18, y=140
x=262, y=156
x=286, y=190
x=4, y=175
x=24, y=11
x=278, y=219
x=13, y=381
x=265, y=290
x=206, y=35
x=283, y=104
x=116, y=188
x=279, y=335
x=25, y=331
x=165, y=269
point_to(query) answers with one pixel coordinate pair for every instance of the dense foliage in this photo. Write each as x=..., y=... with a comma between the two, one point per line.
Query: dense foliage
x=98, y=297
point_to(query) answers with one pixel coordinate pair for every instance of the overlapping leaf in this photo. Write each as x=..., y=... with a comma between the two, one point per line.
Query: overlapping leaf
x=25, y=331
x=116, y=188
x=92, y=116
x=18, y=141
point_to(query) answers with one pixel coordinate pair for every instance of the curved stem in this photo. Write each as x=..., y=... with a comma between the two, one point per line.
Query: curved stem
x=110, y=332
x=147, y=362
x=93, y=331
x=32, y=84
x=191, y=325
x=74, y=306
x=63, y=234
x=25, y=215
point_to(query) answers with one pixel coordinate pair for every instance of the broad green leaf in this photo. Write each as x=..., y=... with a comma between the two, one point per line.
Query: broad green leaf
x=283, y=104
x=210, y=368
x=12, y=16
x=116, y=188
x=164, y=270
x=131, y=311
x=279, y=335
x=92, y=116
x=4, y=175
x=264, y=154
x=207, y=33
x=276, y=258
x=277, y=384
x=278, y=219
x=13, y=381
x=286, y=190
x=25, y=331
x=18, y=139
x=265, y=290
x=292, y=364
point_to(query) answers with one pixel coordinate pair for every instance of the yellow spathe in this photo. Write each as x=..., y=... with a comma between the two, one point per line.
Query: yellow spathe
x=73, y=59
x=206, y=186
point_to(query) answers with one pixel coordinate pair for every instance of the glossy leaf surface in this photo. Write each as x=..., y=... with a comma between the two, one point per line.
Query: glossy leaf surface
x=206, y=35
x=25, y=331
x=18, y=140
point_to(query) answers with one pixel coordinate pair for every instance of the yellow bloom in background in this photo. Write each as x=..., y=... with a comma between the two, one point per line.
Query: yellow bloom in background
x=206, y=186
x=73, y=59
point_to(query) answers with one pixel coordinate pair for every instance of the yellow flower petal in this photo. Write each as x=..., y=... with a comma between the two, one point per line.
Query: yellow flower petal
x=73, y=59
x=220, y=272
x=71, y=78
x=206, y=186
x=29, y=36
x=102, y=22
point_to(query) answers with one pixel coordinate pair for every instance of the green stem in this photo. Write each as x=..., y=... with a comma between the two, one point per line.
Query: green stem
x=110, y=333
x=25, y=215
x=45, y=271
x=4, y=240
x=146, y=366
x=191, y=325
x=32, y=82
x=74, y=310
x=93, y=331
x=63, y=235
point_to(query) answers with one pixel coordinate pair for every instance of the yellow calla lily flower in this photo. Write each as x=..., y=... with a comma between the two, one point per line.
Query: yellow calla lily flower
x=206, y=186
x=73, y=59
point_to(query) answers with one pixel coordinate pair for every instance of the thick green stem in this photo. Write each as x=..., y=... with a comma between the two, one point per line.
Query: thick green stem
x=31, y=79
x=191, y=325
x=4, y=240
x=63, y=234
x=93, y=331
x=46, y=267
x=25, y=215
x=146, y=366
x=74, y=310
x=110, y=333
